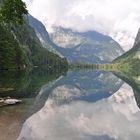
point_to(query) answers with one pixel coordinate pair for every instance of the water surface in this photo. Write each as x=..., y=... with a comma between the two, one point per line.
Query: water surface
x=79, y=105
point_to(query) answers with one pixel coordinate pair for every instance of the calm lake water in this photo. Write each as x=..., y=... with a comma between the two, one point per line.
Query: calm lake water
x=73, y=105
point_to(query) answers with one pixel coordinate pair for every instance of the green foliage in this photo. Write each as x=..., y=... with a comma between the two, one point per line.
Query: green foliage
x=37, y=55
x=11, y=55
x=108, y=67
x=20, y=48
x=12, y=11
x=131, y=58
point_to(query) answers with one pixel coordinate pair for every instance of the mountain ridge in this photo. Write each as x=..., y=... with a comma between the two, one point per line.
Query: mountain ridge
x=88, y=47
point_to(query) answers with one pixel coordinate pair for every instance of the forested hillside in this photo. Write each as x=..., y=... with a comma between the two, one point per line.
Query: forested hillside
x=20, y=47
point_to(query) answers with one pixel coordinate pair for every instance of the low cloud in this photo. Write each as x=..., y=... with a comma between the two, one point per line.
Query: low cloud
x=119, y=19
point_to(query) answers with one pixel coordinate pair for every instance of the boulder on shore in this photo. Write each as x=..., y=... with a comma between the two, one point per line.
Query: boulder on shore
x=9, y=101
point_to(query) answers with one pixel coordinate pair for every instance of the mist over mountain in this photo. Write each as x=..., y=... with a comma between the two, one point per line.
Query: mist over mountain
x=90, y=46
x=111, y=17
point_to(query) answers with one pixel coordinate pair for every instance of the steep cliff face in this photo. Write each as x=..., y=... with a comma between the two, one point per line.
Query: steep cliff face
x=43, y=35
x=137, y=40
x=20, y=48
x=90, y=47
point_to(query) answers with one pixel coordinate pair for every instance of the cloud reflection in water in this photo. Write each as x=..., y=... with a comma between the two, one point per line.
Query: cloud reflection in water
x=116, y=117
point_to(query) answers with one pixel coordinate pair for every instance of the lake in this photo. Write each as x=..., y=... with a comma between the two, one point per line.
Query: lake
x=72, y=105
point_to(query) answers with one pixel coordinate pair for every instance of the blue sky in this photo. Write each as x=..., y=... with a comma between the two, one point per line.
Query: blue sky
x=118, y=18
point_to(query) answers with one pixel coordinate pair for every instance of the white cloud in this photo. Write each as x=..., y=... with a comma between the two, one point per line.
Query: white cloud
x=117, y=18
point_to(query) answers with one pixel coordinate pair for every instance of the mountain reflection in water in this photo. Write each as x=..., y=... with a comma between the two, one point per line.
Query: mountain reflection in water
x=85, y=105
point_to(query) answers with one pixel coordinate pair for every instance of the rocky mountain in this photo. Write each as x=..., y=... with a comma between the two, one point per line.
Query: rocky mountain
x=43, y=35
x=90, y=46
x=132, y=57
x=137, y=40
